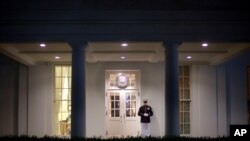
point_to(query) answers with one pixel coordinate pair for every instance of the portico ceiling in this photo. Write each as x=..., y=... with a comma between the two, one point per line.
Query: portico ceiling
x=214, y=53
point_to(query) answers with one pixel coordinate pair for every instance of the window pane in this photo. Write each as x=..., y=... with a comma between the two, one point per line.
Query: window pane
x=186, y=129
x=133, y=104
x=65, y=94
x=186, y=70
x=58, y=83
x=127, y=104
x=186, y=117
x=181, y=106
x=186, y=82
x=117, y=104
x=58, y=71
x=64, y=116
x=117, y=113
x=132, y=76
x=69, y=91
x=70, y=72
x=65, y=71
x=112, y=113
x=186, y=106
x=133, y=97
x=186, y=94
x=181, y=93
x=127, y=113
x=133, y=113
x=69, y=82
x=181, y=82
x=65, y=82
x=182, y=117
x=133, y=84
x=112, y=83
x=58, y=94
x=64, y=106
x=127, y=96
x=57, y=106
x=112, y=104
x=182, y=129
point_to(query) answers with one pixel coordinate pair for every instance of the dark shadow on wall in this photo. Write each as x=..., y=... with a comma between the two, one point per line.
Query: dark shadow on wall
x=9, y=93
x=248, y=87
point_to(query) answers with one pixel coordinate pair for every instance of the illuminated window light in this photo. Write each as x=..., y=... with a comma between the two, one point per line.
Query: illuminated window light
x=42, y=45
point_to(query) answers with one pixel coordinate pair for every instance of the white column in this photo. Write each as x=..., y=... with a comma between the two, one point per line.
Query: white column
x=78, y=89
x=172, y=126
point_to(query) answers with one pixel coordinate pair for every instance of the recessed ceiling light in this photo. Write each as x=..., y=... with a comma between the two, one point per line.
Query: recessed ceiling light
x=42, y=45
x=124, y=44
x=189, y=57
x=57, y=57
x=204, y=44
x=123, y=57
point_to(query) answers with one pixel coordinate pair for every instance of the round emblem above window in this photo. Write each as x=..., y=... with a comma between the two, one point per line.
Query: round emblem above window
x=122, y=81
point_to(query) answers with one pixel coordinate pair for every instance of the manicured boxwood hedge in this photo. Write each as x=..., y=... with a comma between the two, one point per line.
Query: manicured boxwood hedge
x=48, y=138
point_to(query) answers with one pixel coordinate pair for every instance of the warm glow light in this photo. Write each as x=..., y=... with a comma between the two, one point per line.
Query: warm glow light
x=204, y=44
x=57, y=57
x=42, y=45
x=124, y=44
x=123, y=57
x=189, y=57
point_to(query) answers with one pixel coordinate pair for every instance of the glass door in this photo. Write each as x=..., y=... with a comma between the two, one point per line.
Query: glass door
x=121, y=112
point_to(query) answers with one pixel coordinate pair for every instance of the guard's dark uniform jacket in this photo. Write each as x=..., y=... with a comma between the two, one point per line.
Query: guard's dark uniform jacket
x=145, y=109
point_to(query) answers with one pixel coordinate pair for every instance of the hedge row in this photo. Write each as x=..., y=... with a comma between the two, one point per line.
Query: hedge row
x=49, y=138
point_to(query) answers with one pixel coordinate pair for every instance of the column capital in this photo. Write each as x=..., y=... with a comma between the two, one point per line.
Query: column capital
x=167, y=44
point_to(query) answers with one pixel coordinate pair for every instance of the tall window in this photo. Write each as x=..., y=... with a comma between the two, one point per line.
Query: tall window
x=184, y=94
x=62, y=99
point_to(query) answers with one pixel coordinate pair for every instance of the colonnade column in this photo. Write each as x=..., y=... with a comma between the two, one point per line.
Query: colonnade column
x=78, y=89
x=172, y=126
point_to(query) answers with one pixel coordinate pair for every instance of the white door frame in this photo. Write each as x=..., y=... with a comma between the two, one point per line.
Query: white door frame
x=125, y=124
x=122, y=123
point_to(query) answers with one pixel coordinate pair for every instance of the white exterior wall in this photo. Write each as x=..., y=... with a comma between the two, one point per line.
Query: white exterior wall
x=222, y=123
x=208, y=106
x=204, y=101
x=40, y=100
x=23, y=101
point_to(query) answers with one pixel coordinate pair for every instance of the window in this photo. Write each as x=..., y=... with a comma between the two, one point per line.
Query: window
x=184, y=95
x=114, y=104
x=130, y=104
x=62, y=100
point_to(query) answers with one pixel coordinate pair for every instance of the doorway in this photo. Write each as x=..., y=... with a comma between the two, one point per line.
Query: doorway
x=122, y=103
